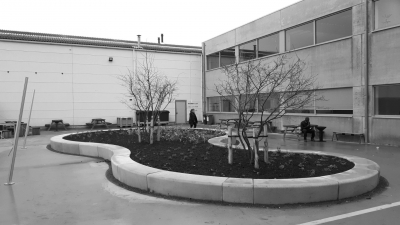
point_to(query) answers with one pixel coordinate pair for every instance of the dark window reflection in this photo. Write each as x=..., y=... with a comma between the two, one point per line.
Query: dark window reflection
x=300, y=36
x=228, y=56
x=248, y=51
x=387, y=13
x=268, y=45
x=213, y=61
x=334, y=27
x=387, y=100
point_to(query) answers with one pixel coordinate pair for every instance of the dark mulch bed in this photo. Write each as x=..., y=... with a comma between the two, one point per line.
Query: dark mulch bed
x=206, y=159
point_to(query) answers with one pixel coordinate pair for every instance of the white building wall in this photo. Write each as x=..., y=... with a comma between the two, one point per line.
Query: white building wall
x=78, y=83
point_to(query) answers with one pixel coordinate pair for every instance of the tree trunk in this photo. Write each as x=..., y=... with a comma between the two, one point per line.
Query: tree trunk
x=265, y=144
x=151, y=130
x=158, y=129
x=230, y=152
x=255, y=148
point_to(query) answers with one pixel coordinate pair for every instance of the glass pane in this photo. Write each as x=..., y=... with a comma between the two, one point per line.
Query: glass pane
x=387, y=13
x=334, y=99
x=300, y=36
x=334, y=27
x=268, y=102
x=248, y=51
x=213, y=104
x=387, y=100
x=213, y=61
x=227, y=104
x=268, y=45
x=248, y=103
x=228, y=56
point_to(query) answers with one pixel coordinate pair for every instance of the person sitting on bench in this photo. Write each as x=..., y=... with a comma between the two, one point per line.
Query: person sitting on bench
x=306, y=128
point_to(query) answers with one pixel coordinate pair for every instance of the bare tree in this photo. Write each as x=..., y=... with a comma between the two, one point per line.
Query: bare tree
x=273, y=88
x=151, y=91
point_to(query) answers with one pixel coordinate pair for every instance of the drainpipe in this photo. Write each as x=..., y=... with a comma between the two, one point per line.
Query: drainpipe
x=138, y=41
x=366, y=73
x=203, y=75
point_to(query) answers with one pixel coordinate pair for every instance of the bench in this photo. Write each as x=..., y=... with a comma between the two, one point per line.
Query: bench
x=65, y=124
x=335, y=133
x=295, y=129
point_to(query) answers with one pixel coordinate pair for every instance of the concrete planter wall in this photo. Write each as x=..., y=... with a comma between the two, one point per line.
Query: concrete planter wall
x=362, y=178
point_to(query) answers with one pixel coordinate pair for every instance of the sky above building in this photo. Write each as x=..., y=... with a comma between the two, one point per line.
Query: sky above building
x=183, y=22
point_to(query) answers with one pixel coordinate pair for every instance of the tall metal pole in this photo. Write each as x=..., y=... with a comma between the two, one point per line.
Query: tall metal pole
x=16, y=136
x=29, y=120
x=366, y=74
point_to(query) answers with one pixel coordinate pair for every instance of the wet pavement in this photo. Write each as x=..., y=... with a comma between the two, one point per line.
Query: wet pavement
x=55, y=188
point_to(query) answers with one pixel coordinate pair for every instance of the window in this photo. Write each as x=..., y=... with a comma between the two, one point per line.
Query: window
x=334, y=27
x=300, y=36
x=213, y=61
x=329, y=101
x=247, y=51
x=213, y=104
x=269, y=104
x=387, y=100
x=248, y=102
x=387, y=13
x=335, y=101
x=228, y=104
x=268, y=45
x=227, y=57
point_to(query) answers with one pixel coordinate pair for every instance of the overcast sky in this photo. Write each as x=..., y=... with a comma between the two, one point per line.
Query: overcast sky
x=183, y=22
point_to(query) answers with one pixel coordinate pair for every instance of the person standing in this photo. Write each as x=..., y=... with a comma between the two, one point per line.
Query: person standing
x=192, y=119
x=306, y=128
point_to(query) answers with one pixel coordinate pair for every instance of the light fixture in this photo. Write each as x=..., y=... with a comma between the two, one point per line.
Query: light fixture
x=110, y=59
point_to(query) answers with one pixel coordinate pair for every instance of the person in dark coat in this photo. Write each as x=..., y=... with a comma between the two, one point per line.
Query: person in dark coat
x=192, y=119
x=306, y=128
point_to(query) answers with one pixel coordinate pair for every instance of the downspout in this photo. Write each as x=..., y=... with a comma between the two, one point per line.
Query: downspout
x=203, y=75
x=366, y=74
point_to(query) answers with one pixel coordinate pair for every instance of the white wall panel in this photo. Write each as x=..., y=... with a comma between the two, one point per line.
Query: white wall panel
x=98, y=78
x=98, y=88
x=35, y=67
x=99, y=69
x=100, y=105
x=97, y=97
x=24, y=56
x=171, y=64
x=102, y=60
x=34, y=47
x=101, y=51
x=41, y=77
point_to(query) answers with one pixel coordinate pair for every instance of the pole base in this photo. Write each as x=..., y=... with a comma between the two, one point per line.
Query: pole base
x=9, y=183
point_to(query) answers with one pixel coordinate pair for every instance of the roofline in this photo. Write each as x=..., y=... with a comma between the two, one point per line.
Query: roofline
x=91, y=41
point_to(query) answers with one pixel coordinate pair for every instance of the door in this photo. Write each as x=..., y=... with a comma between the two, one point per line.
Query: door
x=180, y=111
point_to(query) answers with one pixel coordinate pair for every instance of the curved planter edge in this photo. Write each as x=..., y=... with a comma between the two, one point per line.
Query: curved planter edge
x=362, y=178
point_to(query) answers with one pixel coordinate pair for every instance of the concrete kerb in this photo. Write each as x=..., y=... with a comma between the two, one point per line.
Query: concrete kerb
x=362, y=178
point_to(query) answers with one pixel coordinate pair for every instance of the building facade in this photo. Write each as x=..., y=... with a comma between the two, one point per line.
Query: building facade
x=76, y=78
x=352, y=47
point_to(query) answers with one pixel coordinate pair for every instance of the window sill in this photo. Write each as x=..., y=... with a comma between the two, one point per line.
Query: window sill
x=386, y=28
x=386, y=117
x=319, y=115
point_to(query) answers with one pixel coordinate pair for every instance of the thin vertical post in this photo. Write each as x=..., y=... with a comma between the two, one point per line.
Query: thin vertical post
x=265, y=143
x=16, y=136
x=230, y=152
x=255, y=148
x=29, y=120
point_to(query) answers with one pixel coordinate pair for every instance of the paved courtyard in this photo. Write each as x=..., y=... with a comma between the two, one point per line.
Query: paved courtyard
x=55, y=188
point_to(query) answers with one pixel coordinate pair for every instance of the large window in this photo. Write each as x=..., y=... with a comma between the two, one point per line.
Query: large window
x=268, y=102
x=268, y=45
x=300, y=36
x=329, y=101
x=334, y=101
x=213, y=61
x=334, y=27
x=387, y=13
x=387, y=100
x=248, y=51
x=228, y=104
x=227, y=57
x=213, y=104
